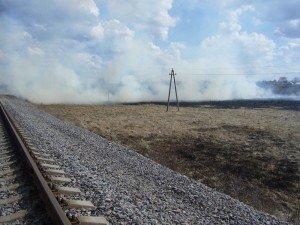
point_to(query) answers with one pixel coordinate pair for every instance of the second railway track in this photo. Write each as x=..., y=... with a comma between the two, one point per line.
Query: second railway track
x=33, y=188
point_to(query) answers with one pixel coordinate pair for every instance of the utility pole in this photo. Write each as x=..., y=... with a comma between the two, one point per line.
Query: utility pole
x=172, y=76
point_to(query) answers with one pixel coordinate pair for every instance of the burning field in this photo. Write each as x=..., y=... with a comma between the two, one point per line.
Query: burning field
x=249, y=150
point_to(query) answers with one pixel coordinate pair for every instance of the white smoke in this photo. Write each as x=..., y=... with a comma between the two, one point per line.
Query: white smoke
x=65, y=51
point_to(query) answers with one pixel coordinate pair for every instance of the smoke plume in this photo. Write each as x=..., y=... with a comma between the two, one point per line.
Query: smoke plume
x=89, y=51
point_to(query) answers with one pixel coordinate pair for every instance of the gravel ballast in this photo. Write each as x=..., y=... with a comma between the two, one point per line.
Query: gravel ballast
x=30, y=201
x=126, y=187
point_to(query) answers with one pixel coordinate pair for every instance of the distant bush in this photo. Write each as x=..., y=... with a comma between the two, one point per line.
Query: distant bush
x=282, y=86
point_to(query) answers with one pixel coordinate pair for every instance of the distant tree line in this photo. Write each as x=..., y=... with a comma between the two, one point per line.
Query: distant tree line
x=282, y=86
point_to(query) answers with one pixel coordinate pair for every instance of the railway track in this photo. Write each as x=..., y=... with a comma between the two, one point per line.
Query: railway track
x=33, y=188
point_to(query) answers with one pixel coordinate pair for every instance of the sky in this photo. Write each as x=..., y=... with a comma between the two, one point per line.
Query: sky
x=89, y=51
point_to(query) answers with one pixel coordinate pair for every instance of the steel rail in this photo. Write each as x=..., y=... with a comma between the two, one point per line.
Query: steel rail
x=53, y=208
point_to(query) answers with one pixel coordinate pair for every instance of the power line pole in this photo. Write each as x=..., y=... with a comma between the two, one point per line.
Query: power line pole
x=172, y=76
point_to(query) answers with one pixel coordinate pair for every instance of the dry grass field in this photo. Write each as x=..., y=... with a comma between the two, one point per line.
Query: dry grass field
x=249, y=152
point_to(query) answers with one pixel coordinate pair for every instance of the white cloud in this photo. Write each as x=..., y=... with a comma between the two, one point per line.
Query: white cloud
x=236, y=13
x=289, y=53
x=151, y=16
x=111, y=29
x=291, y=28
x=92, y=59
x=90, y=5
x=114, y=28
x=40, y=27
x=284, y=15
x=83, y=54
x=230, y=26
x=295, y=23
x=239, y=48
x=97, y=31
x=35, y=51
